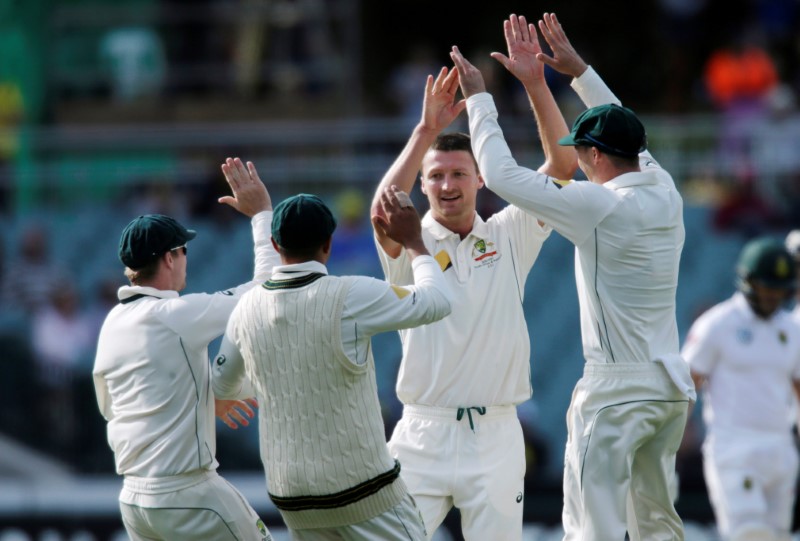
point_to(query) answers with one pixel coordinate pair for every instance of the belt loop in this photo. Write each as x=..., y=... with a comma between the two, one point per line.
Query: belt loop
x=460, y=414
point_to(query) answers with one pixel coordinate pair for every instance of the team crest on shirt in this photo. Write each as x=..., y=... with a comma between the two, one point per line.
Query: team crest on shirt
x=744, y=336
x=484, y=253
x=262, y=529
x=747, y=484
x=782, y=337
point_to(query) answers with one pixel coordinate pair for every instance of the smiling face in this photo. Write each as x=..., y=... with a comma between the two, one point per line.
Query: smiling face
x=451, y=181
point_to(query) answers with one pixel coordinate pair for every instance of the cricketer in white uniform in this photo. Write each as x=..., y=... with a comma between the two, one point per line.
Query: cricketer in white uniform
x=745, y=355
x=303, y=340
x=459, y=439
x=628, y=412
x=153, y=381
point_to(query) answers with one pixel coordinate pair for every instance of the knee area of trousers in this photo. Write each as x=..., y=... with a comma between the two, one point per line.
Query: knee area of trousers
x=753, y=532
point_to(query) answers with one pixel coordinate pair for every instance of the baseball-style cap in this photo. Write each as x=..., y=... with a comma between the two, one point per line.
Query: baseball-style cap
x=149, y=236
x=302, y=221
x=767, y=261
x=612, y=128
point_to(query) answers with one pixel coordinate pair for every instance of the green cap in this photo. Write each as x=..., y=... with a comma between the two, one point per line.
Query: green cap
x=611, y=128
x=149, y=236
x=767, y=262
x=301, y=222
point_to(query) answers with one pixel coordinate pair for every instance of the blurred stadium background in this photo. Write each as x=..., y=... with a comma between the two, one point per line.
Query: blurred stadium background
x=109, y=109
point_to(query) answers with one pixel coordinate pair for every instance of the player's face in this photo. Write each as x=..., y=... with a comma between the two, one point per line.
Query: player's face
x=451, y=181
x=179, y=256
x=767, y=300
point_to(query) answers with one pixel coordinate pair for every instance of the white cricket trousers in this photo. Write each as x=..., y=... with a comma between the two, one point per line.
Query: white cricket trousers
x=751, y=477
x=400, y=523
x=624, y=427
x=476, y=464
x=200, y=505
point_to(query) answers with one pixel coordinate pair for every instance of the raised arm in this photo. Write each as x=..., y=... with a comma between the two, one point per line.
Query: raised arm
x=439, y=109
x=524, y=62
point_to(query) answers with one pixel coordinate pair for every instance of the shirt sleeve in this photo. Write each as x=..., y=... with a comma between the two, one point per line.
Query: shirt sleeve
x=700, y=349
x=103, y=397
x=396, y=270
x=572, y=208
x=593, y=91
x=228, y=378
x=266, y=257
x=526, y=234
x=379, y=306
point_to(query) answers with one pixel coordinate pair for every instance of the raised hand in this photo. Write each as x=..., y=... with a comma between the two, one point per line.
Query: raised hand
x=523, y=50
x=400, y=220
x=565, y=59
x=250, y=196
x=469, y=77
x=439, y=106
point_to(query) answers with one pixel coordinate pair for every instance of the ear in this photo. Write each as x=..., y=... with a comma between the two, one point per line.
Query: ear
x=422, y=184
x=169, y=259
x=275, y=245
x=481, y=183
x=326, y=246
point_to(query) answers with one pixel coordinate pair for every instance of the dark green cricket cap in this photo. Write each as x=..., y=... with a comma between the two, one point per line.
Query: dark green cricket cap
x=301, y=222
x=611, y=128
x=767, y=261
x=149, y=236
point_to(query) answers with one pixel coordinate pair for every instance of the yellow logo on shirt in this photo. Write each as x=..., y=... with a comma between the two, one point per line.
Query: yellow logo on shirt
x=483, y=252
x=401, y=292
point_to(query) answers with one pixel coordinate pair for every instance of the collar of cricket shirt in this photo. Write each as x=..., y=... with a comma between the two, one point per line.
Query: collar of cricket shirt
x=637, y=178
x=440, y=232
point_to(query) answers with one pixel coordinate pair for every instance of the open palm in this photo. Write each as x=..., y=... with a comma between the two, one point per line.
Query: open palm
x=523, y=45
x=440, y=108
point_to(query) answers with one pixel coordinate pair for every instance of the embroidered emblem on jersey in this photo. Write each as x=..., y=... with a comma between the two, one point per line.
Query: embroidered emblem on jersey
x=745, y=336
x=401, y=292
x=747, y=484
x=262, y=529
x=559, y=183
x=221, y=360
x=227, y=292
x=443, y=259
x=782, y=337
x=519, y=497
x=484, y=253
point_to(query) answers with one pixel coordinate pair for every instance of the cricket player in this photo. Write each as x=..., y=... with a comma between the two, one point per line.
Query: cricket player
x=744, y=353
x=303, y=341
x=459, y=439
x=628, y=411
x=153, y=381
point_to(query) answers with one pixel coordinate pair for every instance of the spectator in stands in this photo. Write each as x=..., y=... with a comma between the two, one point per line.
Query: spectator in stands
x=63, y=340
x=31, y=277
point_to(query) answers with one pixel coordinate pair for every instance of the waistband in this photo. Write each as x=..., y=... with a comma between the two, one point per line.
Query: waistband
x=160, y=485
x=452, y=414
x=625, y=370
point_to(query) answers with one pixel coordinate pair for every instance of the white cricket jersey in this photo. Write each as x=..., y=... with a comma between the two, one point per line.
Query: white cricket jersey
x=628, y=234
x=371, y=306
x=749, y=364
x=479, y=355
x=151, y=372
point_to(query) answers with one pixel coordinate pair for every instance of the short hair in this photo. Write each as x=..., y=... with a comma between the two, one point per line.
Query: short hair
x=306, y=253
x=622, y=162
x=141, y=275
x=454, y=141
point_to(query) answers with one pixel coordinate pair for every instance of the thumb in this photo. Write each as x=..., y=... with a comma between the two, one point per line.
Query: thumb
x=227, y=200
x=549, y=60
x=503, y=59
x=379, y=223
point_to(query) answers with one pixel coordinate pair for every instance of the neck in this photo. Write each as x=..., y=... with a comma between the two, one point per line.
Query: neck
x=461, y=226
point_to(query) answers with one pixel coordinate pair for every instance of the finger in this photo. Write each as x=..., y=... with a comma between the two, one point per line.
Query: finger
x=451, y=83
x=437, y=85
x=251, y=168
x=228, y=421
x=241, y=171
x=230, y=178
x=503, y=59
x=237, y=416
x=549, y=60
x=515, y=28
x=227, y=200
x=509, y=35
x=523, y=28
x=245, y=407
x=379, y=223
x=429, y=85
x=252, y=401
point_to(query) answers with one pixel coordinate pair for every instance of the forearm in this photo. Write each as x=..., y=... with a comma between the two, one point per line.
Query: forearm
x=405, y=168
x=560, y=162
x=266, y=257
x=227, y=374
x=592, y=90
